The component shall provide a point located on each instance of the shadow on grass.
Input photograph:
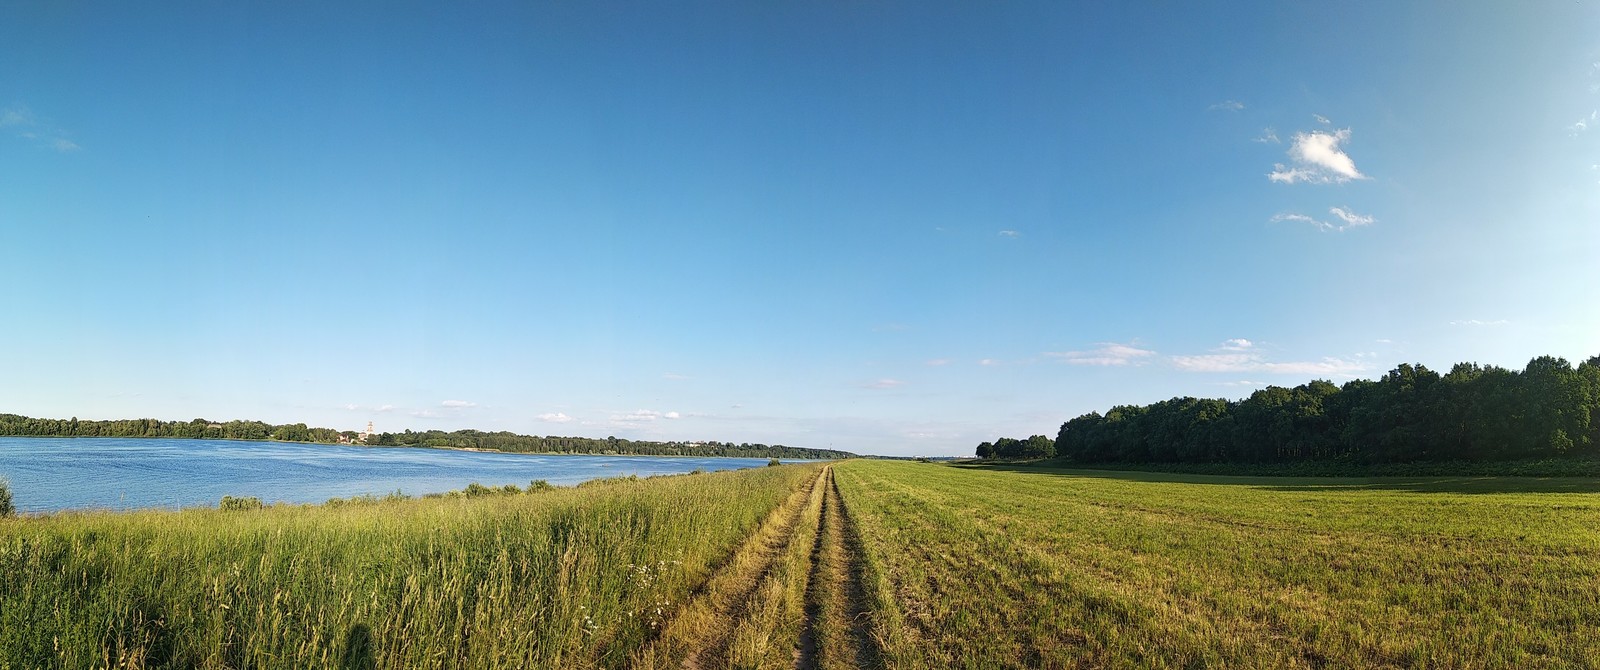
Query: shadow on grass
(358, 649)
(1412, 484)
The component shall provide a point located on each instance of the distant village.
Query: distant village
(359, 438)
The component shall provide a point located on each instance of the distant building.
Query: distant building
(363, 435)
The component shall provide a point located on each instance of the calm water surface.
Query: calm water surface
(52, 473)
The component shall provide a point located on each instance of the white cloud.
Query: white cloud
(1268, 136)
(938, 362)
(386, 408)
(988, 362)
(1318, 159)
(1105, 354)
(1479, 322)
(15, 116)
(1227, 106)
(637, 416)
(1583, 123)
(1237, 344)
(1253, 362)
(1350, 218)
(554, 417)
(32, 128)
(1321, 119)
(671, 415)
(675, 377)
(884, 384)
(1010, 233)
(457, 404)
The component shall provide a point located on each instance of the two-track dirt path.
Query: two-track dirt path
(789, 598)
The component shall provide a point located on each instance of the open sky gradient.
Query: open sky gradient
(897, 228)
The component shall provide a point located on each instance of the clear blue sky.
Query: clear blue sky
(897, 228)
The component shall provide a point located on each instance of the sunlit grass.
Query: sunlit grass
(566, 578)
(991, 568)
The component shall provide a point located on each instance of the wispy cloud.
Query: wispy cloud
(1268, 136)
(1226, 106)
(938, 362)
(28, 126)
(1583, 124)
(1240, 355)
(675, 377)
(1350, 220)
(1479, 322)
(1104, 354)
(1321, 119)
(554, 417)
(1317, 158)
(643, 416)
(1010, 233)
(988, 362)
(457, 404)
(884, 384)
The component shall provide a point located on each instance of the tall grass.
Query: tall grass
(569, 578)
(987, 568)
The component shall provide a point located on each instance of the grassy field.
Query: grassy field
(580, 577)
(985, 567)
(856, 564)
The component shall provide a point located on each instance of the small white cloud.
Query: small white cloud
(457, 404)
(938, 362)
(1252, 362)
(1321, 119)
(988, 362)
(15, 116)
(884, 384)
(675, 377)
(1479, 322)
(1010, 233)
(1384, 341)
(636, 416)
(1582, 124)
(1350, 218)
(1226, 106)
(385, 408)
(351, 407)
(65, 145)
(1268, 136)
(1317, 158)
(1237, 344)
(1104, 354)
(1243, 382)
(554, 417)
(671, 415)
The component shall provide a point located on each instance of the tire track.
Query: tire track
(702, 633)
(838, 629)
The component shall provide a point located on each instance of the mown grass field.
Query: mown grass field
(856, 564)
(985, 567)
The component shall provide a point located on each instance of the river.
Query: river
(50, 474)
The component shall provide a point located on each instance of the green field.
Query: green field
(859, 564)
(1034, 567)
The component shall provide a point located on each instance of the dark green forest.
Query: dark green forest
(1550, 409)
(16, 425)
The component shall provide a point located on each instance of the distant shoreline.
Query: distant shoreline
(480, 450)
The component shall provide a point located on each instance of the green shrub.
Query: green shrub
(232, 504)
(6, 508)
(773, 462)
(538, 485)
(476, 490)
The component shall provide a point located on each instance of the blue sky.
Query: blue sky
(897, 228)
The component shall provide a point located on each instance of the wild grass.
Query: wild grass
(983, 568)
(567, 578)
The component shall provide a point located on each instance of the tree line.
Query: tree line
(17, 425)
(1549, 409)
(515, 443)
